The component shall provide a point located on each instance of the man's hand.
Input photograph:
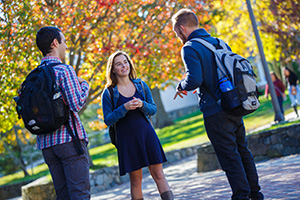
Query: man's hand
(180, 93)
(81, 80)
(284, 96)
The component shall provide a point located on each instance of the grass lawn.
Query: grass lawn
(186, 131)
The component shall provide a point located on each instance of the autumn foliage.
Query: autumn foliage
(94, 30)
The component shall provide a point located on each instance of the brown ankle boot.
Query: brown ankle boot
(168, 195)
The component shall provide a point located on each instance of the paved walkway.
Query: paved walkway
(279, 179)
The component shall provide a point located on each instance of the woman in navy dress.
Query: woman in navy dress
(137, 143)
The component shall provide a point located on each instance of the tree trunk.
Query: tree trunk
(17, 160)
(23, 166)
(161, 119)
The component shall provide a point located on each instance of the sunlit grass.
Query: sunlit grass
(185, 132)
(34, 173)
(105, 155)
(264, 114)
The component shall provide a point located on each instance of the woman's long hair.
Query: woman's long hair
(111, 77)
(273, 73)
(290, 71)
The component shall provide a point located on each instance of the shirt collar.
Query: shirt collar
(50, 59)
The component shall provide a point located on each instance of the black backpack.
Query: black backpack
(40, 102)
(41, 106)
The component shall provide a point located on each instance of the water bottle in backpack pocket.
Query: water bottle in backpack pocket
(230, 97)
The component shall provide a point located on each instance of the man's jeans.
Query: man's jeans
(69, 171)
(227, 135)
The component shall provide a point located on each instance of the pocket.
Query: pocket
(59, 108)
(230, 99)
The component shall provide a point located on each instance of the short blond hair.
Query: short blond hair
(185, 17)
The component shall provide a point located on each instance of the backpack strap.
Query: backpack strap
(111, 94)
(211, 94)
(47, 68)
(75, 138)
(222, 44)
(213, 49)
(205, 43)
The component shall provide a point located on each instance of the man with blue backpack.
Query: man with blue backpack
(227, 91)
(49, 101)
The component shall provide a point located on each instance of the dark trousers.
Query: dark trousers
(227, 135)
(280, 101)
(69, 171)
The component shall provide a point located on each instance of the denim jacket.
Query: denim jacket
(112, 116)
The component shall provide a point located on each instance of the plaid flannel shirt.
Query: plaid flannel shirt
(76, 94)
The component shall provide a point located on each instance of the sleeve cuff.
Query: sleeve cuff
(179, 88)
(123, 110)
(84, 86)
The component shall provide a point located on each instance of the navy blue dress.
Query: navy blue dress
(138, 144)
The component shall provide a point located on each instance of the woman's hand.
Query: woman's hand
(133, 104)
(294, 90)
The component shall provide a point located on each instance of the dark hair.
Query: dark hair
(290, 71)
(45, 37)
(273, 73)
(185, 17)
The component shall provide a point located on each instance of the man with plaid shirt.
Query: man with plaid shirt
(69, 170)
